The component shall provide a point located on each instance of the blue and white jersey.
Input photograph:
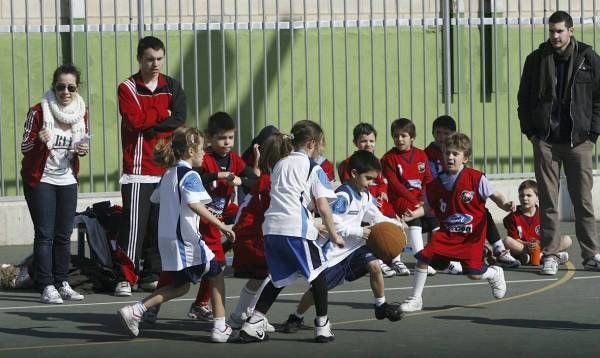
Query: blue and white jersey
(295, 184)
(350, 209)
(179, 240)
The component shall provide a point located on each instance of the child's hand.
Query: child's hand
(337, 239)
(366, 233)
(255, 149)
(228, 233)
(82, 149)
(234, 180)
(509, 206)
(223, 175)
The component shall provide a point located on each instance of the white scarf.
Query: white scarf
(72, 114)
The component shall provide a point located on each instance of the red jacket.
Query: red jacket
(35, 151)
(145, 119)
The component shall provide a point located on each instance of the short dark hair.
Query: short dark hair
(219, 122)
(363, 161)
(65, 69)
(561, 16)
(445, 121)
(363, 129)
(403, 125)
(529, 184)
(149, 42)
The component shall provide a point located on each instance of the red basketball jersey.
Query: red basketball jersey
(523, 227)
(406, 171)
(252, 211)
(435, 155)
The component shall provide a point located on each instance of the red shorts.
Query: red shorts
(249, 256)
(212, 238)
(445, 247)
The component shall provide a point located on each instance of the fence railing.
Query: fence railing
(276, 62)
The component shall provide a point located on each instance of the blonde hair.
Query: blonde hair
(274, 148)
(168, 152)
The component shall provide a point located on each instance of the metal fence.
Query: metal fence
(338, 62)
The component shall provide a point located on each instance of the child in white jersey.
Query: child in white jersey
(183, 253)
(289, 233)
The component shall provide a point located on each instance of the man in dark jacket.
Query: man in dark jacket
(559, 111)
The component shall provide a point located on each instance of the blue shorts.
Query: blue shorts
(289, 257)
(353, 267)
(195, 273)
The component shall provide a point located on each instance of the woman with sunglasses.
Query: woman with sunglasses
(56, 135)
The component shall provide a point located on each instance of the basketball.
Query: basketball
(386, 241)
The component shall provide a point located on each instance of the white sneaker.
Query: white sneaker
(400, 268)
(217, 336)
(237, 323)
(130, 321)
(323, 334)
(412, 304)
(67, 293)
(253, 332)
(454, 268)
(431, 271)
(505, 259)
(123, 289)
(593, 263)
(201, 313)
(51, 296)
(151, 315)
(386, 270)
(498, 283)
(563, 257)
(550, 265)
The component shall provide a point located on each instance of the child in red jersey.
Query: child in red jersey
(523, 226)
(406, 169)
(457, 197)
(327, 167)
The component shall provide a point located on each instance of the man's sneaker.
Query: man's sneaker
(593, 263)
(293, 324)
(400, 268)
(563, 257)
(123, 289)
(389, 311)
(225, 336)
(50, 295)
(550, 265)
(454, 268)
(151, 314)
(323, 334)
(67, 293)
(149, 286)
(130, 321)
(201, 313)
(253, 332)
(412, 304)
(497, 282)
(505, 259)
(431, 271)
(386, 270)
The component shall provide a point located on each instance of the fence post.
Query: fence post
(140, 18)
(447, 58)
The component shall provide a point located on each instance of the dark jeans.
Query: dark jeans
(52, 209)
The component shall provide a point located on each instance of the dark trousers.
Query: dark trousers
(52, 209)
(138, 236)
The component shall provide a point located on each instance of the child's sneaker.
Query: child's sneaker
(201, 313)
(412, 304)
(253, 332)
(130, 321)
(505, 259)
(454, 268)
(524, 259)
(235, 322)
(497, 283)
(400, 268)
(225, 336)
(386, 270)
(323, 334)
(123, 289)
(389, 311)
(67, 293)
(593, 263)
(51, 296)
(151, 314)
(563, 257)
(293, 324)
(549, 265)
(431, 271)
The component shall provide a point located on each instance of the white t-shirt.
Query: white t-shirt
(59, 165)
(293, 190)
(350, 209)
(179, 241)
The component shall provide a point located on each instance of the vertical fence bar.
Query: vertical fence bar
(371, 22)
(42, 44)
(181, 54)
(278, 64)
(57, 32)
(437, 59)
(471, 79)
(508, 89)
(166, 37)
(237, 75)
(209, 58)
(447, 60)
(265, 65)
(117, 114)
(319, 61)
(385, 63)
(306, 78)
(346, 71)
(594, 24)
(140, 9)
(196, 71)
(251, 72)
(224, 58)
(496, 87)
(483, 80)
(425, 78)
(412, 66)
(14, 95)
(581, 14)
(292, 31)
(459, 77)
(103, 102)
(28, 48)
(532, 25)
(399, 66)
(360, 114)
(333, 94)
(89, 87)
(151, 17)
(2, 188)
(521, 69)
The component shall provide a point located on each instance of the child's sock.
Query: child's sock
(498, 247)
(298, 314)
(397, 259)
(256, 316)
(246, 296)
(321, 320)
(415, 236)
(379, 301)
(220, 323)
(252, 303)
(420, 278)
(488, 274)
(139, 309)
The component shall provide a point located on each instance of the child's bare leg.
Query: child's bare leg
(515, 246)
(218, 295)
(376, 279)
(164, 294)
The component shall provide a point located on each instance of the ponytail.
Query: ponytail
(168, 152)
(275, 148)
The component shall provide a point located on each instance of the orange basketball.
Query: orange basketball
(386, 241)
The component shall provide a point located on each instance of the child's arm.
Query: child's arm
(203, 212)
(327, 219)
(500, 200)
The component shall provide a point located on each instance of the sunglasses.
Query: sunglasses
(61, 87)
